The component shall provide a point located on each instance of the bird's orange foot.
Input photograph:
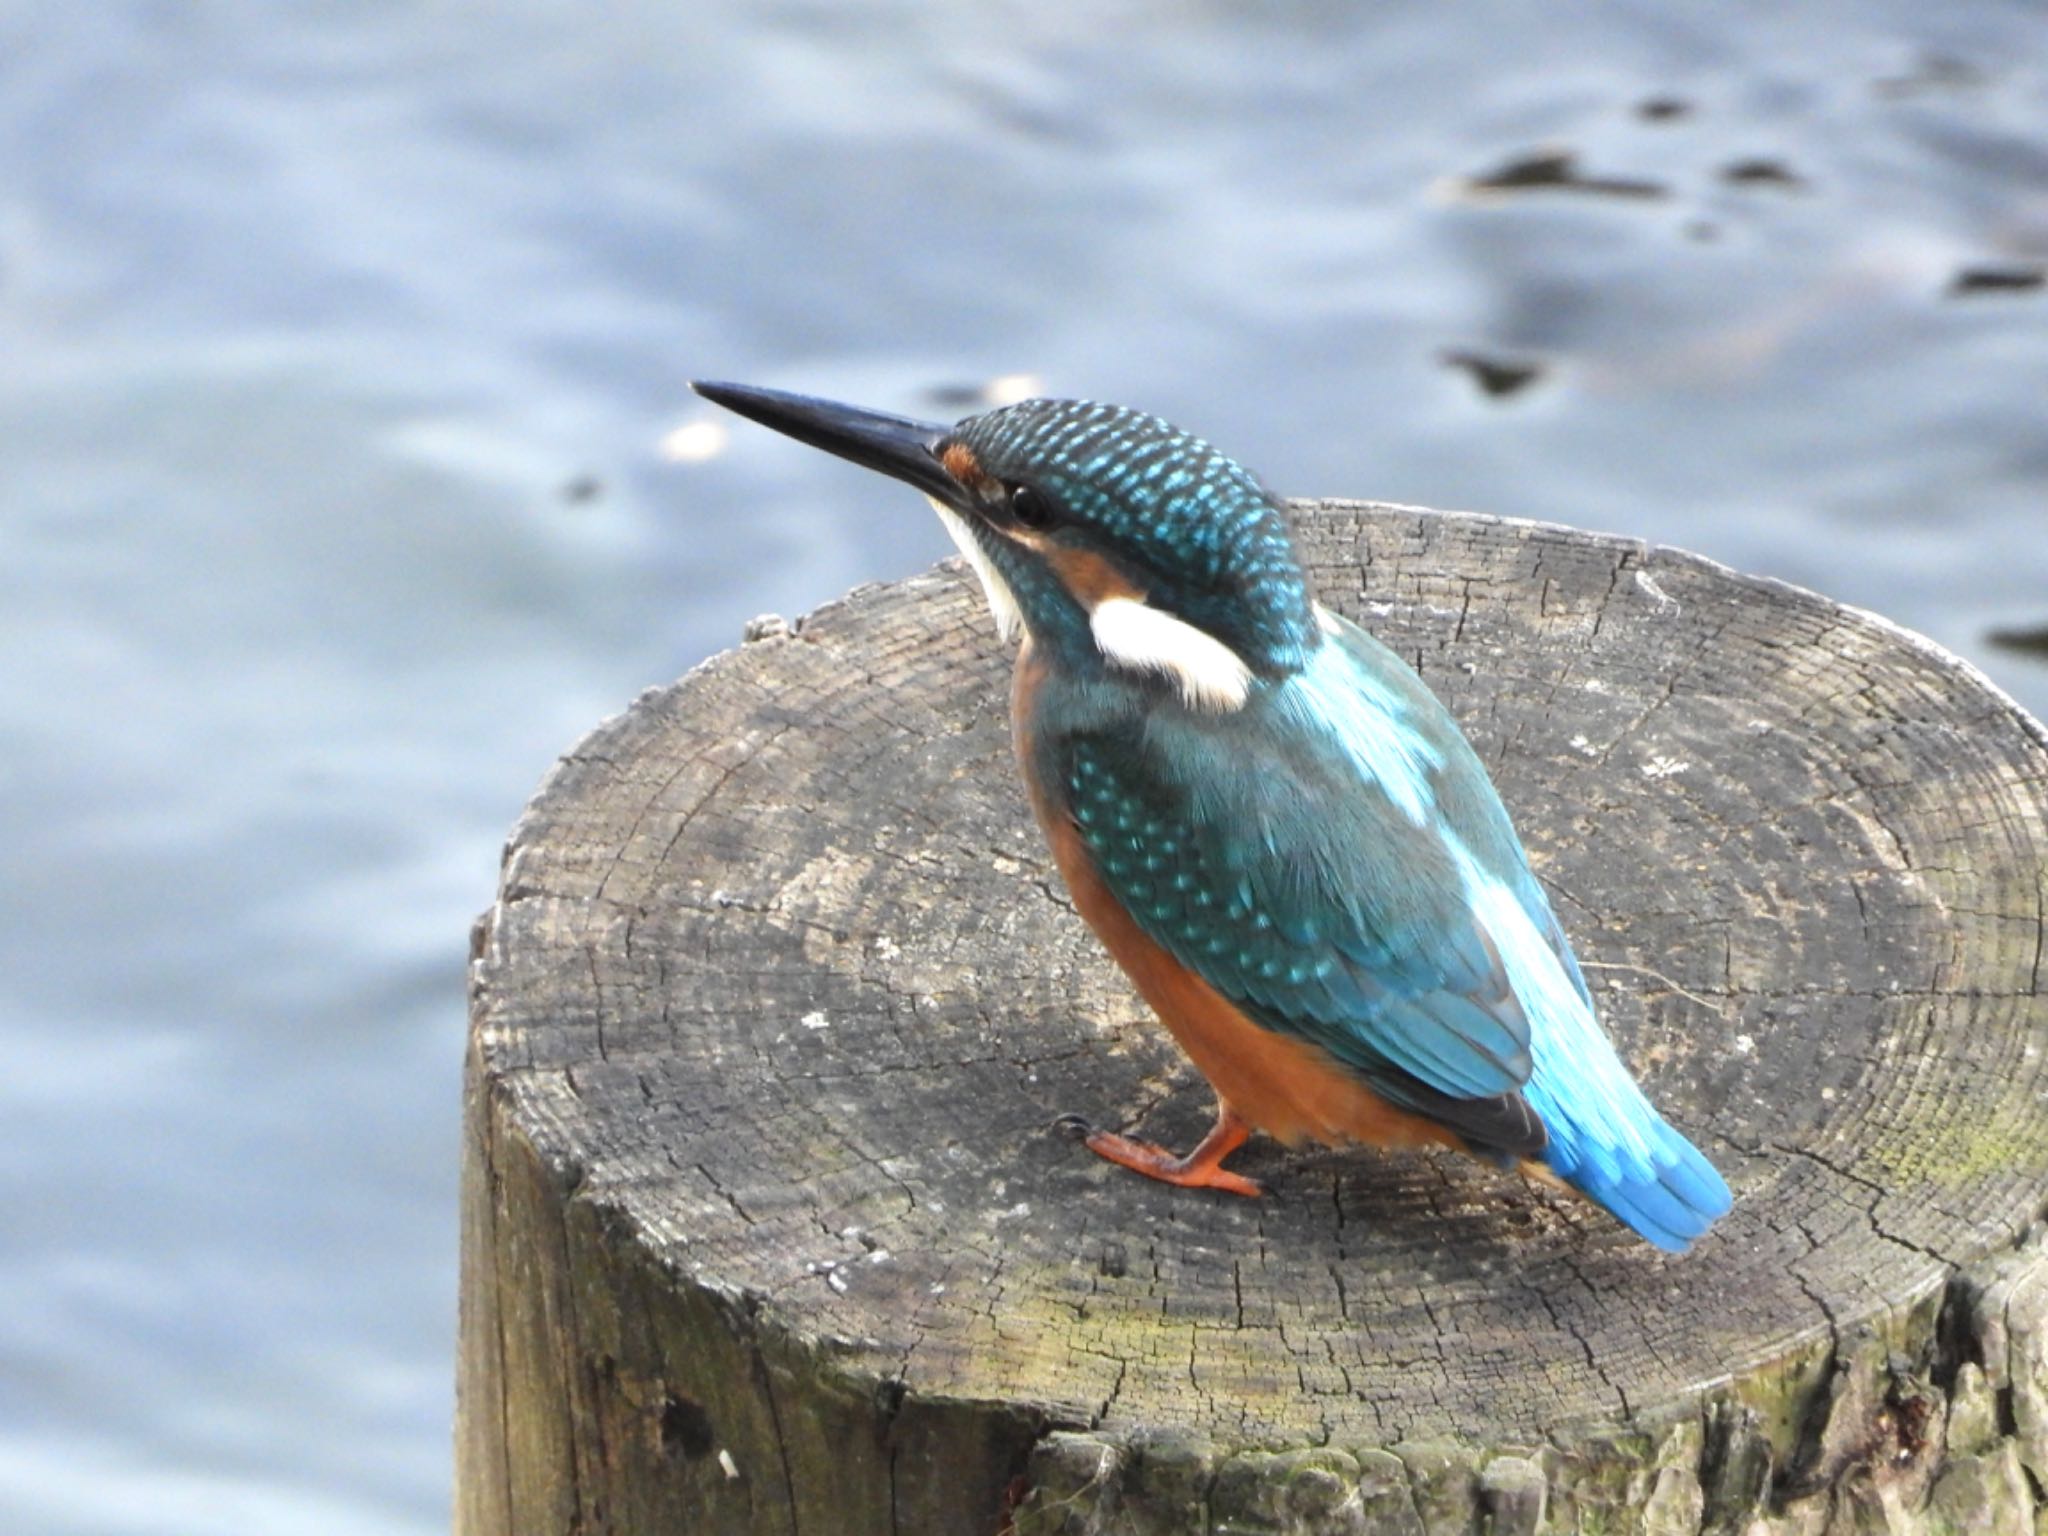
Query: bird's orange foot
(1200, 1169)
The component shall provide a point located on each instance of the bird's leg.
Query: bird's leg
(1200, 1169)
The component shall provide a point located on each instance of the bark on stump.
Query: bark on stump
(766, 1229)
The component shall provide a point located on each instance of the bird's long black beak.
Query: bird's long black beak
(895, 445)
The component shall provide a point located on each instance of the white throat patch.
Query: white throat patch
(1141, 638)
(1002, 602)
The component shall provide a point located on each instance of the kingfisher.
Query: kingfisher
(1273, 826)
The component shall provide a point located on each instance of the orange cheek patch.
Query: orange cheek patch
(959, 461)
(1090, 577)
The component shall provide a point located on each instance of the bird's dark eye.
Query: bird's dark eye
(1031, 508)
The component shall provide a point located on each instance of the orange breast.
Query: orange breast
(1286, 1087)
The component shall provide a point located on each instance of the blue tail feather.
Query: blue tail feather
(1669, 1200)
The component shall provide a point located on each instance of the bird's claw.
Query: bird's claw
(1200, 1169)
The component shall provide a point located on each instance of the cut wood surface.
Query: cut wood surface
(767, 1226)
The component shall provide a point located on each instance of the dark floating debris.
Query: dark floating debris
(1706, 231)
(1663, 109)
(1557, 170)
(1496, 376)
(1932, 72)
(581, 489)
(1762, 171)
(956, 397)
(2033, 640)
(1003, 389)
(1994, 277)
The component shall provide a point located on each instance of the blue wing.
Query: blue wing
(1260, 854)
(1382, 966)
(1334, 859)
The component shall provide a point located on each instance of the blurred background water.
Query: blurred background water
(347, 474)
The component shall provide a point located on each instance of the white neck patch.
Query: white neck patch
(1002, 602)
(1141, 638)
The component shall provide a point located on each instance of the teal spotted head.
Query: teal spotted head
(1110, 536)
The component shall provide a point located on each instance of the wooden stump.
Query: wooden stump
(767, 1229)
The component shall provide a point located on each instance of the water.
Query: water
(336, 347)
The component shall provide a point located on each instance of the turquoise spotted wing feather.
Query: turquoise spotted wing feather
(1355, 882)
(1341, 922)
